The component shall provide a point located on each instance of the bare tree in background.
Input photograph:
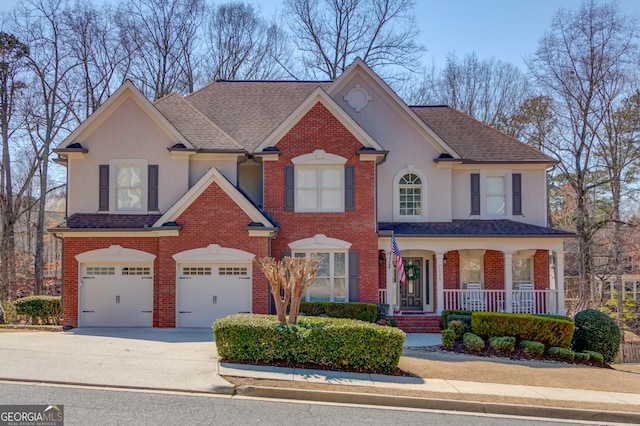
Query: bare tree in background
(485, 89)
(332, 33)
(49, 102)
(161, 38)
(12, 59)
(242, 45)
(91, 37)
(577, 65)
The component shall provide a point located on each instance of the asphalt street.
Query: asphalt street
(94, 406)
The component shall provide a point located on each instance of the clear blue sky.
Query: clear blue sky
(506, 29)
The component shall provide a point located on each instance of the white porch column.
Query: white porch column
(440, 282)
(560, 282)
(508, 281)
(390, 283)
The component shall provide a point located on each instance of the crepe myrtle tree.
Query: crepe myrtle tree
(289, 278)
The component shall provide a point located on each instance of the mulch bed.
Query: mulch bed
(309, 366)
(517, 354)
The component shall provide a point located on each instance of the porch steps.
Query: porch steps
(419, 324)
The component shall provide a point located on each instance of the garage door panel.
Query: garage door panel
(116, 296)
(209, 292)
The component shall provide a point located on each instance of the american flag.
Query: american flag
(402, 278)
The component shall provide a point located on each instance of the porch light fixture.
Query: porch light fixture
(444, 259)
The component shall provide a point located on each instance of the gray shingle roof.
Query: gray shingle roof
(109, 221)
(474, 140)
(471, 228)
(250, 110)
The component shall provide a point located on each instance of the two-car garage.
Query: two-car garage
(116, 286)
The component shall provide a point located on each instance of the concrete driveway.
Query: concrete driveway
(175, 359)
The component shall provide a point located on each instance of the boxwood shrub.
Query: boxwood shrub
(355, 310)
(562, 353)
(532, 348)
(334, 342)
(503, 344)
(458, 327)
(473, 342)
(447, 312)
(596, 331)
(448, 338)
(595, 356)
(44, 308)
(551, 331)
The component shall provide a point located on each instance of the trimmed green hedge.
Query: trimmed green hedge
(448, 338)
(45, 308)
(596, 331)
(367, 312)
(562, 353)
(532, 348)
(458, 312)
(473, 342)
(551, 331)
(503, 344)
(335, 342)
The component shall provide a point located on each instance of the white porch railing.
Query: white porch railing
(382, 295)
(523, 301)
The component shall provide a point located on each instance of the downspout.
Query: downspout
(57, 237)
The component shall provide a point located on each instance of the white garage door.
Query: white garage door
(207, 292)
(116, 295)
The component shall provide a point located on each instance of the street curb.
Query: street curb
(439, 404)
(217, 389)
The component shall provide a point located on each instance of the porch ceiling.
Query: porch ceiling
(470, 228)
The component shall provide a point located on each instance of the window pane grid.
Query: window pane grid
(410, 193)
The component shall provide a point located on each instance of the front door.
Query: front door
(412, 293)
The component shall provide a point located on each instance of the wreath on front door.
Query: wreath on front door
(412, 272)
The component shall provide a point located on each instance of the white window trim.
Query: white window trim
(396, 196)
(484, 174)
(318, 167)
(472, 254)
(320, 243)
(114, 164)
(308, 252)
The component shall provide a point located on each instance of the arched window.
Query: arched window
(410, 187)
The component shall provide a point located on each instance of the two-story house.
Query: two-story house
(170, 202)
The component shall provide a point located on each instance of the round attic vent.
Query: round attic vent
(357, 98)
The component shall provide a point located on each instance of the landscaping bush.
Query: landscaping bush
(466, 319)
(448, 338)
(532, 348)
(581, 356)
(595, 356)
(473, 342)
(562, 353)
(447, 312)
(334, 342)
(551, 331)
(355, 310)
(596, 331)
(458, 327)
(382, 317)
(503, 344)
(44, 308)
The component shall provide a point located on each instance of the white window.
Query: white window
(522, 270)
(319, 182)
(330, 284)
(496, 195)
(471, 267)
(128, 185)
(319, 188)
(410, 193)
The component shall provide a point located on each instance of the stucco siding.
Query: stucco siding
(127, 133)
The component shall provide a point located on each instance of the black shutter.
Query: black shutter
(152, 184)
(475, 193)
(516, 179)
(354, 274)
(289, 188)
(349, 188)
(103, 188)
